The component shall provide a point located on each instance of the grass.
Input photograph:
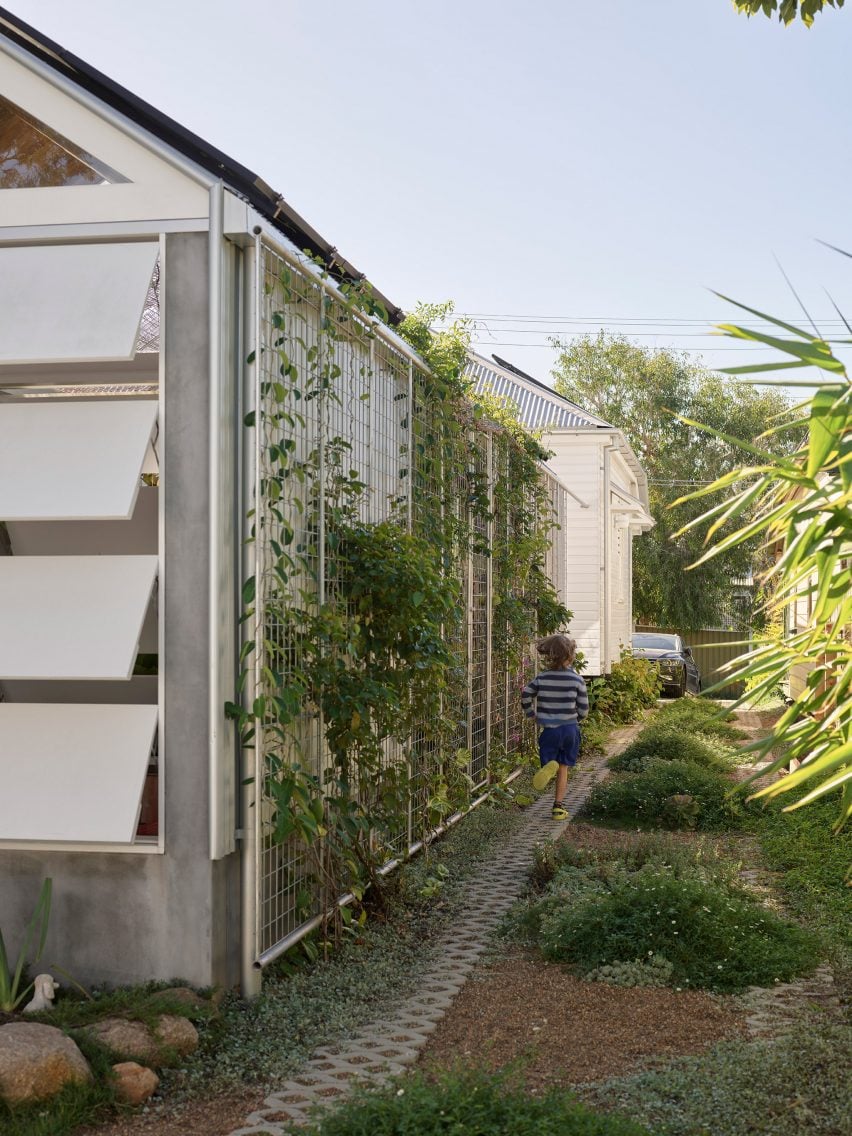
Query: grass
(811, 862)
(672, 743)
(73, 1106)
(475, 1104)
(796, 1084)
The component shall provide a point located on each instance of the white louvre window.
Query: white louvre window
(33, 156)
(73, 303)
(67, 461)
(73, 773)
(72, 617)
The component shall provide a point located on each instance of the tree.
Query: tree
(801, 504)
(648, 394)
(787, 10)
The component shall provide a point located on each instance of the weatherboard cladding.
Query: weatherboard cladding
(537, 409)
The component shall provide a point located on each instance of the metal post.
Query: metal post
(252, 565)
(489, 590)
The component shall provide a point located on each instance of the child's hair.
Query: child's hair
(557, 650)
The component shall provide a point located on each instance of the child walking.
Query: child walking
(561, 703)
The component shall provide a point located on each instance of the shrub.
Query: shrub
(713, 937)
(644, 798)
(669, 743)
(632, 686)
(465, 1102)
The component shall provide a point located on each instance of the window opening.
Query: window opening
(34, 156)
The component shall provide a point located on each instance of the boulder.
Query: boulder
(134, 1083)
(126, 1038)
(37, 1061)
(178, 1034)
(133, 1040)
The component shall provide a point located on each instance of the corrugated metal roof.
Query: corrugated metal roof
(538, 405)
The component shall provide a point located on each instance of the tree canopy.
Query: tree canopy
(788, 10)
(647, 393)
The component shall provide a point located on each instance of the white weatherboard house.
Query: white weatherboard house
(607, 506)
(141, 281)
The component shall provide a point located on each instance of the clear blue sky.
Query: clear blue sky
(604, 160)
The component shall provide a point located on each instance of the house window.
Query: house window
(34, 156)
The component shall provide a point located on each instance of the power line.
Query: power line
(530, 317)
(688, 350)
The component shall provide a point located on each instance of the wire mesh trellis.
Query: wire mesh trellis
(350, 411)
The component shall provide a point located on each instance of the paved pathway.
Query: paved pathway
(386, 1047)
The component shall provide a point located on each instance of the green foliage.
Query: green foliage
(632, 686)
(643, 391)
(713, 937)
(701, 715)
(800, 504)
(464, 1102)
(652, 971)
(788, 10)
(811, 865)
(320, 1001)
(646, 797)
(362, 675)
(797, 1084)
(670, 743)
(13, 990)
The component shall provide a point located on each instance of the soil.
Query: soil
(521, 1011)
(561, 1030)
(190, 1118)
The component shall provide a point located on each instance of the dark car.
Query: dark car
(672, 658)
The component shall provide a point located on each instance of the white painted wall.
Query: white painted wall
(577, 463)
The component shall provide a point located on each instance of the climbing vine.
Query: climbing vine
(375, 499)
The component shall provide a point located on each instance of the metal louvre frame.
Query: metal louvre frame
(367, 422)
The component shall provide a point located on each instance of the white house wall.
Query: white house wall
(576, 462)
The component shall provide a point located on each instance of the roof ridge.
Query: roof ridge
(557, 400)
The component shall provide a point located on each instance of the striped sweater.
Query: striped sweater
(560, 697)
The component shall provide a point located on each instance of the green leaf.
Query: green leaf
(826, 425)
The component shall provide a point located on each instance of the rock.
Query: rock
(134, 1083)
(37, 1061)
(126, 1038)
(178, 1034)
(134, 1040)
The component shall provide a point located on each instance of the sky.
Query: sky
(553, 167)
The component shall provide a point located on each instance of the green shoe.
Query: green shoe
(545, 775)
(559, 812)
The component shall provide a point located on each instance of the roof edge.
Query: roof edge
(237, 177)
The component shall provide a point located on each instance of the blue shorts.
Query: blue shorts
(560, 744)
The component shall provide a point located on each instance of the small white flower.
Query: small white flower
(400, 1092)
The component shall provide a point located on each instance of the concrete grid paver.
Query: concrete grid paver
(385, 1048)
